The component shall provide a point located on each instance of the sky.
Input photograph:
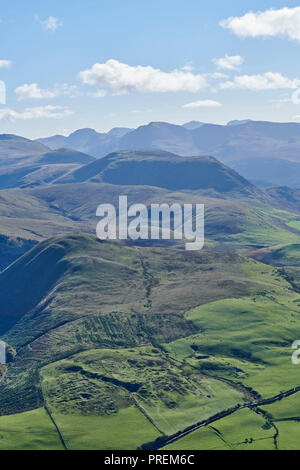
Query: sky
(101, 64)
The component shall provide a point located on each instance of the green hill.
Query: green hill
(158, 339)
(286, 255)
(162, 169)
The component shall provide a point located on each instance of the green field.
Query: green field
(244, 430)
(126, 430)
(108, 381)
(247, 341)
(128, 345)
(32, 430)
(285, 409)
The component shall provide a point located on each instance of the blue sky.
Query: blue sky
(100, 64)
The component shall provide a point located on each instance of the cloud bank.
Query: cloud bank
(118, 77)
(33, 91)
(203, 104)
(259, 82)
(54, 112)
(284, 22)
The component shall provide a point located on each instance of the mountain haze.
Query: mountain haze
(236, 141)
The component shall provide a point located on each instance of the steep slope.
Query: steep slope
(287, 197)
(114, 276)
(106, 336)
(284, 255)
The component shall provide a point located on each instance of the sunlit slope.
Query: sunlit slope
(285, 255)
(247, 341)
(164, 170)
(75, 293)
(106, 332)
(232, 221)
(70, 276)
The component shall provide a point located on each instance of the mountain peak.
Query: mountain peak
(236, 122)
(192, 125)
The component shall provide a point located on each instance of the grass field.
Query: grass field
(105, 382)
(243, 430)
(126, 430)
(284, 409)
(245, 340)
(289, 433)
(32, 430)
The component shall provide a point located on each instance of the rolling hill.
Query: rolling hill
(144, 345)
(111, 334)
(14, 149)
(162, 169)
(38, 168)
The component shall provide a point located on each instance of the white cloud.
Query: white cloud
(283, 22)
(295, 98)
(217, 75)
(33, 91)
(229, 62)
(51, 23)
(118, 77)
(5, 64)
(203, 104)
(54, 112)
(187, 68)
(266, 81)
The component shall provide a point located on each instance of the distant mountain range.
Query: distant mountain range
(238, 140)
(265, 153)
(128, 167)
(269, 171)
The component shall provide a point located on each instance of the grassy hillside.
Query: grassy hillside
(115, 345)
(118, 278)
(158, 339)
(162, 169)
(286, 255)
(231, 222)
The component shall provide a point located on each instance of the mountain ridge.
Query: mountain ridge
(234, 141)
